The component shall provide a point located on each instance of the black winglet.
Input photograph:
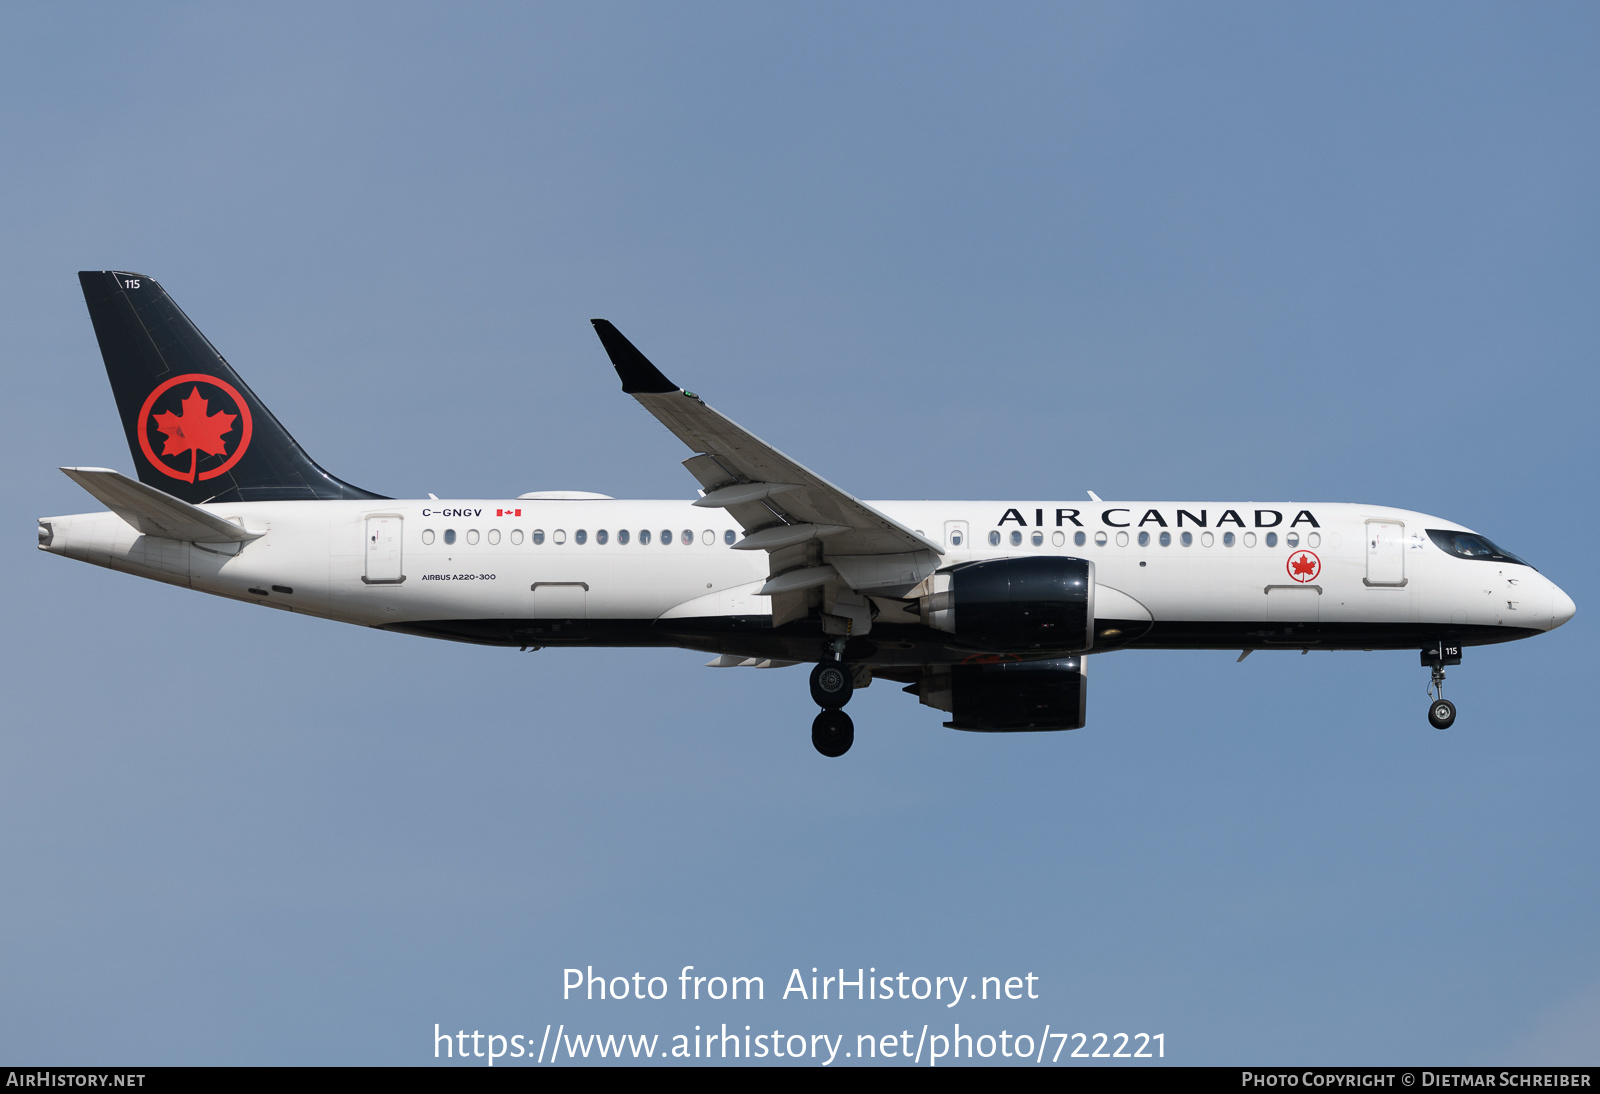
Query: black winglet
(639, 376)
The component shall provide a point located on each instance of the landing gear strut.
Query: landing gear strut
(832, 684)
(1441, 711)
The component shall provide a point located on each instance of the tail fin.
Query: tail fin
(196, 430)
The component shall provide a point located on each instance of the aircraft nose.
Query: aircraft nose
(1561, 607)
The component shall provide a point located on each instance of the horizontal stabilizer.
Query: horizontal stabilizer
(153, 512)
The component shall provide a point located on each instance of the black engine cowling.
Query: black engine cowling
(1010, 696)
(1015, 605)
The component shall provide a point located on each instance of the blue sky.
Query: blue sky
(1319, 252)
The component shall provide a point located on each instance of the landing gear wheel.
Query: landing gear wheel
(1441, 712)
(832, 684)
(832, 733)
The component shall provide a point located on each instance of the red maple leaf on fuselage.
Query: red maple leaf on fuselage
(195, 430)
(1303, 565)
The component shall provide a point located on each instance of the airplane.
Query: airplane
(985, 610)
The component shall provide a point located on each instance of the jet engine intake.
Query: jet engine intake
(1014, 605)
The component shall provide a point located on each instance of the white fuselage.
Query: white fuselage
(388, 564)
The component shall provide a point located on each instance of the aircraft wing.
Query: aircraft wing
(815, 533)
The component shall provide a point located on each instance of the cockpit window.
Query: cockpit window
(1471, 545)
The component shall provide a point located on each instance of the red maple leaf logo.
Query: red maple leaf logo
(195, 430)
(1303, 566)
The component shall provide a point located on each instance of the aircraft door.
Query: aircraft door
(560, 599)
(1293, 603)
(1386, 553)
(955, 536)
(383, 551)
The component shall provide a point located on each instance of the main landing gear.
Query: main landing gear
(832, 733)
(1441, 711)
(832, 684)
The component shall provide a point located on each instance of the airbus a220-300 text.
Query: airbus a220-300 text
(987, 610)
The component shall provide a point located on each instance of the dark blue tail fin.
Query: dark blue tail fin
(197, 431)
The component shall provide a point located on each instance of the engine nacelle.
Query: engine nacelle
(1010, 696)
(1014, 605)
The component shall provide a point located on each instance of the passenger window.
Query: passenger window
(472, 535)
(1187, 539)
(1313, 540)
(622, 537)
(728, 537)
(538, 536)
(1038, 539)
(427, 535)
(1272, 539)
(1058, 539)
(1144, 539)
(666, 537)
(494, 535)
(955, 539)
(1292, 539)
(516, 535)
(1078, 538)
(449, 535)
(644, 537)
(1249, 539)
(1166, 539)
(708, 537)
(1122, 539)
(1016, 539)
(600, 537)
(1099, 539)
(1227, 539)
(1207, 539)
(687, 537)
(559, 536)
(580, 537)
(994, 539)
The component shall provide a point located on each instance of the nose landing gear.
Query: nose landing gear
(832, 684)
(1441, 711)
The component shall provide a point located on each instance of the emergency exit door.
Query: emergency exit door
(383, 551)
